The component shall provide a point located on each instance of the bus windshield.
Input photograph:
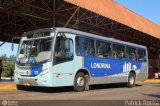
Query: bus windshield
(35, 50)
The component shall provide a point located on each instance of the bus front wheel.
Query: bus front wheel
(131, 80)
(80, 82)
(20, 87)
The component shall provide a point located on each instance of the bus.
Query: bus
(56, 57)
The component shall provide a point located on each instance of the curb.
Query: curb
(149, 81)
(12, 85)
(7, 86)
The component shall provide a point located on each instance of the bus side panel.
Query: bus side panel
(109, 70)
(143, 74)
(118, 78)
(67, 71)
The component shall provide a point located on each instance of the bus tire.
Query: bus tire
(131, 80)
(79, 82)
(20, 87)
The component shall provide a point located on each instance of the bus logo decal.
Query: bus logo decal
(128, 67)
(100, 65)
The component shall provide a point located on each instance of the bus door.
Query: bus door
(64, 55)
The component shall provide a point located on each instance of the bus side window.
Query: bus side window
(114, 54)
(63, 49)
(60, 47)
(69, 48)
(78, 46)
(142, 55)
(134, 55)
(118, 52)
(103, 49)
(99, 46)
(85, 46)
(131, 53)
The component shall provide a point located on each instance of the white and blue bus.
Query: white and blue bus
(54, 57)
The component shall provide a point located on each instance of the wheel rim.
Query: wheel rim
(80, 81)
(131, 80)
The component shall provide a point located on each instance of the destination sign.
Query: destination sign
(39, 34)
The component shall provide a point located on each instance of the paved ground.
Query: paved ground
(142, 91)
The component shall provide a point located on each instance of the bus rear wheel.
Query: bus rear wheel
(131, 80)
(79, 82)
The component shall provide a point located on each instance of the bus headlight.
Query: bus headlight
(45, 71)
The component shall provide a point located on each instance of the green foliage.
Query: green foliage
(8, 69)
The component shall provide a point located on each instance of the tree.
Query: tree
(8, 69)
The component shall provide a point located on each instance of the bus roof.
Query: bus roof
(61, 29)
(69, 30)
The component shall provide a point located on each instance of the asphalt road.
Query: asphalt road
(99, 95)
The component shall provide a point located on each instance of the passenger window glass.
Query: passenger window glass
(103, 49)
(85, 46)
(118, 52)
(131, 53)
(63, 48)
(142, 55)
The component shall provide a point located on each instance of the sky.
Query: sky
(7, 49)
(149, 9)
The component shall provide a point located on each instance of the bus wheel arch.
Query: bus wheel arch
(133, 71)
(81, 80)
(131, 79)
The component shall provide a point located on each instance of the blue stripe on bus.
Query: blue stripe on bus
(36, 70)
(99, 67)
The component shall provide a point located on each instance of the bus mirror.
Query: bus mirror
(63, 35)
(67, 43)
(12, 47)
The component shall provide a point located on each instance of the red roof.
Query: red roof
(115, 11)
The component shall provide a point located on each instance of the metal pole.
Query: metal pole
(54, 14)
(71, 16)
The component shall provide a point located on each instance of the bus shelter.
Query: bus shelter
(105, 17)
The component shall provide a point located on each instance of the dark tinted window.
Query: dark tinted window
(64, 49)
(142, 55)
(131, 53)
(103, 49)
(85, 46)
(118, 51)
